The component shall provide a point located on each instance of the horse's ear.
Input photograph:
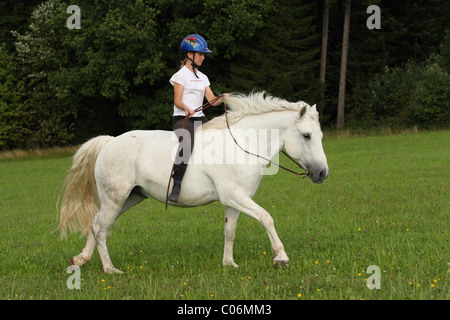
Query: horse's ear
(314, 108)
(302, 111)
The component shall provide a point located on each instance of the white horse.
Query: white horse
(118, 173)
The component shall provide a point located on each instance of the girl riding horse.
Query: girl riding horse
(190, 87)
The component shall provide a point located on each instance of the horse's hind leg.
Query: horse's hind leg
(86, 253)
(100, 227)
(103, 221)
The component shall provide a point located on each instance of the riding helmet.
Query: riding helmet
(194, 43)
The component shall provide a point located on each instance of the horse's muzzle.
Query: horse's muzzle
(319, 174)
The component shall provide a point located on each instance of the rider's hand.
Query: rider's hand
(189, 112)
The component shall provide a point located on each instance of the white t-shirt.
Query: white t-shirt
(194, 90)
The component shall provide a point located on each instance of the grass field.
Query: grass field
(385, 203)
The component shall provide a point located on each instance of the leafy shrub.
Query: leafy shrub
(11, 105)
(403, 97)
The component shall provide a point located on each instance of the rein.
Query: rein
(305, 174)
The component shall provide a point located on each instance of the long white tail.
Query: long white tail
(80, 200)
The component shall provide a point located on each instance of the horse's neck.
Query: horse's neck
(275, 124)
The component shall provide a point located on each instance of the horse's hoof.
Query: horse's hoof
(112, 270)
(230, 263)
(282, 264)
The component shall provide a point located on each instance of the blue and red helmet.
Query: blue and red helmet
(194, 43)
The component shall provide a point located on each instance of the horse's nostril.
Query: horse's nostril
(322, 174)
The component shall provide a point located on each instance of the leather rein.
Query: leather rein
(306, 173)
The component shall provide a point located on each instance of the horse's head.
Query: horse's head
(304, 143)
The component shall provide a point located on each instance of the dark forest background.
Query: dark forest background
(61, 86)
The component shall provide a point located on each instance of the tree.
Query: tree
(341, 101)
(282, 58)
(46, 117)
(14, 15)
(12, 113)
(112, 74)
(323, 57)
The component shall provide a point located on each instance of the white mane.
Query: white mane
(239, 106)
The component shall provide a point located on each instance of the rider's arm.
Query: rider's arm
(177, 94)
(210, 96)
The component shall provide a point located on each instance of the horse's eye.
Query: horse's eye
(307, 136)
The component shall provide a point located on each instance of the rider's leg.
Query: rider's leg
(182, 159)
(184, 154)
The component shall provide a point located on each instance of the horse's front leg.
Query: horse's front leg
(231, 218)
(250, 208)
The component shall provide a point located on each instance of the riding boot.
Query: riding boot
(173, 196)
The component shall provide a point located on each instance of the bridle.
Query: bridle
(305, 173)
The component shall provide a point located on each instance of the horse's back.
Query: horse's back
(131, 145)
(136, 154)
(145, 159)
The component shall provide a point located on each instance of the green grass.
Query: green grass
(385, 203)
